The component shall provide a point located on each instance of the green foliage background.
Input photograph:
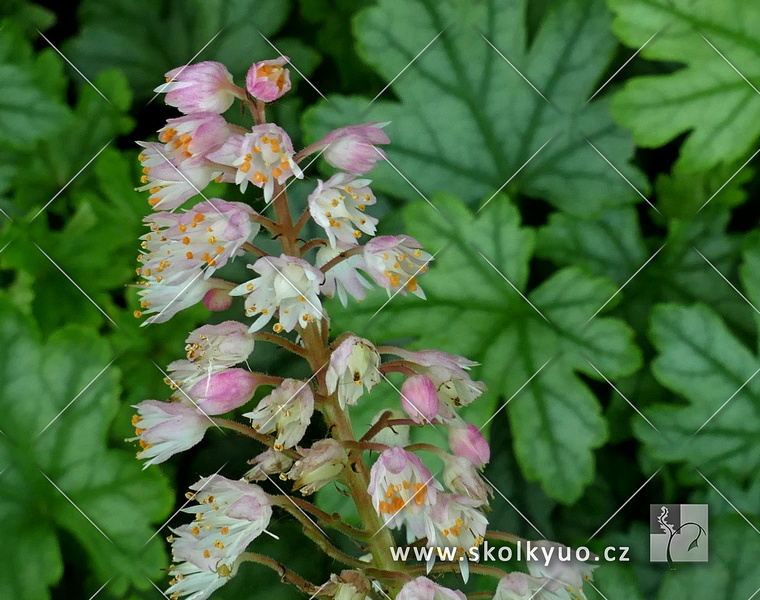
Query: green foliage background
(591, 247)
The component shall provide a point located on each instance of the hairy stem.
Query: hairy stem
(280, 341)
(286, 575)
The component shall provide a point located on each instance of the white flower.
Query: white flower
(424, 589)
(354, 366)
(288, 286)
(321, 464)
(337, 206)
(288, 410)
(263, 155)
(394, 263)
(519, 586)
(455, 521)
(267, 463)
(166, 428)
(344, 277)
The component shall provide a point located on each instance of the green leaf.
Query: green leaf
(707, 98)
(466, 122)
(614, 580)
(732, 571)
(146, 38)
(56, 404)
(701, 360)
(26, 113)
(556, 420)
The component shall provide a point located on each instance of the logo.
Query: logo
(677, 533)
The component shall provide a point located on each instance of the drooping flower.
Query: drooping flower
(263, 155)
(461, 477)
(454, 521)
(229, 515)
(424, 589)
(209, 235)
(354, 367)
(563, 568)
(163, 299)
(268, 463)
(449, 374)
(288, 286)
(402, 488)
(166, 428)
(344, 277)
(353, 148)
(203, 87)
(419, 398)
(194, 135)
(193, 574)
(173, 182)
(267, 80)
(394, 263)
(520, 586)
(321, 464)
(337, 205)
(223, 345)
(469, 443)
(287, 410)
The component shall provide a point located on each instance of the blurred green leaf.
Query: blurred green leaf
(473, 310)
(707, 98)
(701, 360)
(732, 572)
(56, 404)
(28, 111)
(466, 121)
(146, 38)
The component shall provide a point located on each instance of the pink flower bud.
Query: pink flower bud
(222, 392)
(202, 87)
(353, 148)
(193, 135)
(419, 398)
(469, 443)
(217, 299)
(268, 80)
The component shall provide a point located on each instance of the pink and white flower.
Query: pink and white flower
(344, 277)
(424, 589)
(203, 87)
(402, 490)
(321, 464)
(268, 463)
(267, 80)
(224, 391)
(468, 442)
(173, 182)
(287, 410)
(354, 367)
(337, 205)
(193, 135)
(261, 157)
(209, 235)
(353, 148)
(520, 586)
(563, 569)
(449, 374)
(288, 286)
(223, 345)
(162, 299)
(166, 428)
(462, 478)
(394, 263)
(419, 398)
(455, 522)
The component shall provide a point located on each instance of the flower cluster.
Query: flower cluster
(185, 260)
